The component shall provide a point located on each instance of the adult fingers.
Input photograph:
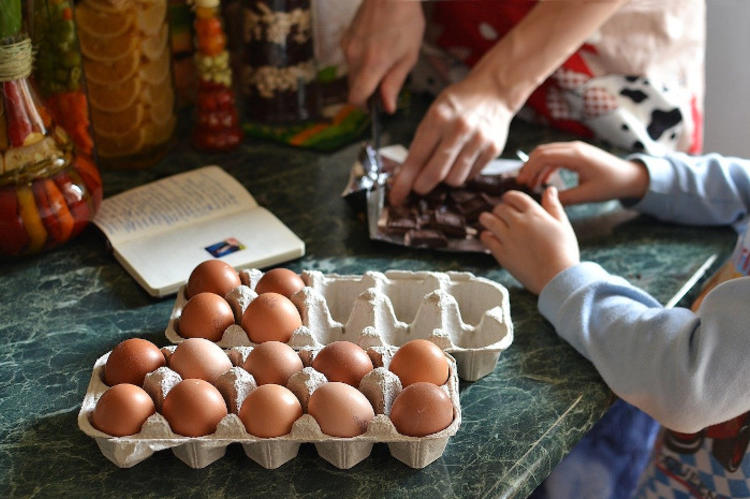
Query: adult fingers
(394, 79)
(441, 160)
(465, 161)
(490, 152)
(425, 141)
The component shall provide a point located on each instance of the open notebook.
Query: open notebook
(160, 231)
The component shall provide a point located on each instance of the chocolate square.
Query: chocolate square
(425, 237)
(451, 224)
(400, 226)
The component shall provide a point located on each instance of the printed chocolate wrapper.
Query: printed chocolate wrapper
(446, 219)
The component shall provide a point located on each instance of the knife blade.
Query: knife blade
(375, 110)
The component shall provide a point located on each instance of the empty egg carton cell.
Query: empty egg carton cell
(465, 315)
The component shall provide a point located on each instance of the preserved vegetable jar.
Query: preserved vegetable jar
(279, 75)
(126, 61)
(48, 193)
(217, 123)
(58, 73)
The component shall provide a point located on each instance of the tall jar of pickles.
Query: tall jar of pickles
(48, 191)
(126, 61)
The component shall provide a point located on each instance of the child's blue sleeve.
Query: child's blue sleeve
(697, 190)
(687, 370)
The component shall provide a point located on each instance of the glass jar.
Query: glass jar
(279, 75)
(48, 193)
(58, 73)
(217, 123)
(126, 61)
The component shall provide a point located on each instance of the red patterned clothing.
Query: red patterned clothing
(636, 83)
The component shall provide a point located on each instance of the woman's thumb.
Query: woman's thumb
(551, 203)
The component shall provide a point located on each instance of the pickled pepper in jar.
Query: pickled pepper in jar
(48, 193)
(58, 71)
(217, 122)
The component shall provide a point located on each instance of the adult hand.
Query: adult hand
(601, 176)
(463, 130)
(533, 242)
(381, 46)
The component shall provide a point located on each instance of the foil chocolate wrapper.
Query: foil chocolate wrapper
(446, 219)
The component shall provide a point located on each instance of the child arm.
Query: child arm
(696, 190)
(687, 370)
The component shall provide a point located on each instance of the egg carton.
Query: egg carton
(380, 386)
(465, 315)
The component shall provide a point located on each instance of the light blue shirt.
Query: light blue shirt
(687, 370)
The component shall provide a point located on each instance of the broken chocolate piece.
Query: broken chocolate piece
(451, 224)
(401, 225)
(460, 196)
(425, 237)
(473, 207)
(437, 195)
(493, 184)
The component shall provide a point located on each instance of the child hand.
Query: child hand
(601, 176)
(533, 242)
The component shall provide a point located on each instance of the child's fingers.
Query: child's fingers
(551, 203)
(493, 244)
(494, 224)
(520, 201)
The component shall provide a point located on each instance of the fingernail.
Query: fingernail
(552, 190)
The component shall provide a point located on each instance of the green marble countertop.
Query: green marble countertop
(60, 311)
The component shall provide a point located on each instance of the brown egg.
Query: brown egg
(272, 362)
(282, 281)
(131, 360)
(199, 358)
(421, 409)
(212, 276)
(270, 317)
(343, 361)
(122, 410)
(194, 407)
(205, 315)
(270, 411)
(340, 410)
(420, 360)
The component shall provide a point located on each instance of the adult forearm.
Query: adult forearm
(540, 43)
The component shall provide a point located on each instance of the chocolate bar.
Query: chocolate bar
(447, 216)
(425, 237)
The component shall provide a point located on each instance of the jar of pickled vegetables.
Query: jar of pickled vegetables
(217, 121)
(48, 193)
(126, 61)
(58, 73)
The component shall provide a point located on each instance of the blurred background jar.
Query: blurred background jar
(126, 61)
(279, 73)
(216, 126)
(48, 190)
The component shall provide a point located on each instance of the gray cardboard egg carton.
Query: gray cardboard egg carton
(465, 315)
(380, 386)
